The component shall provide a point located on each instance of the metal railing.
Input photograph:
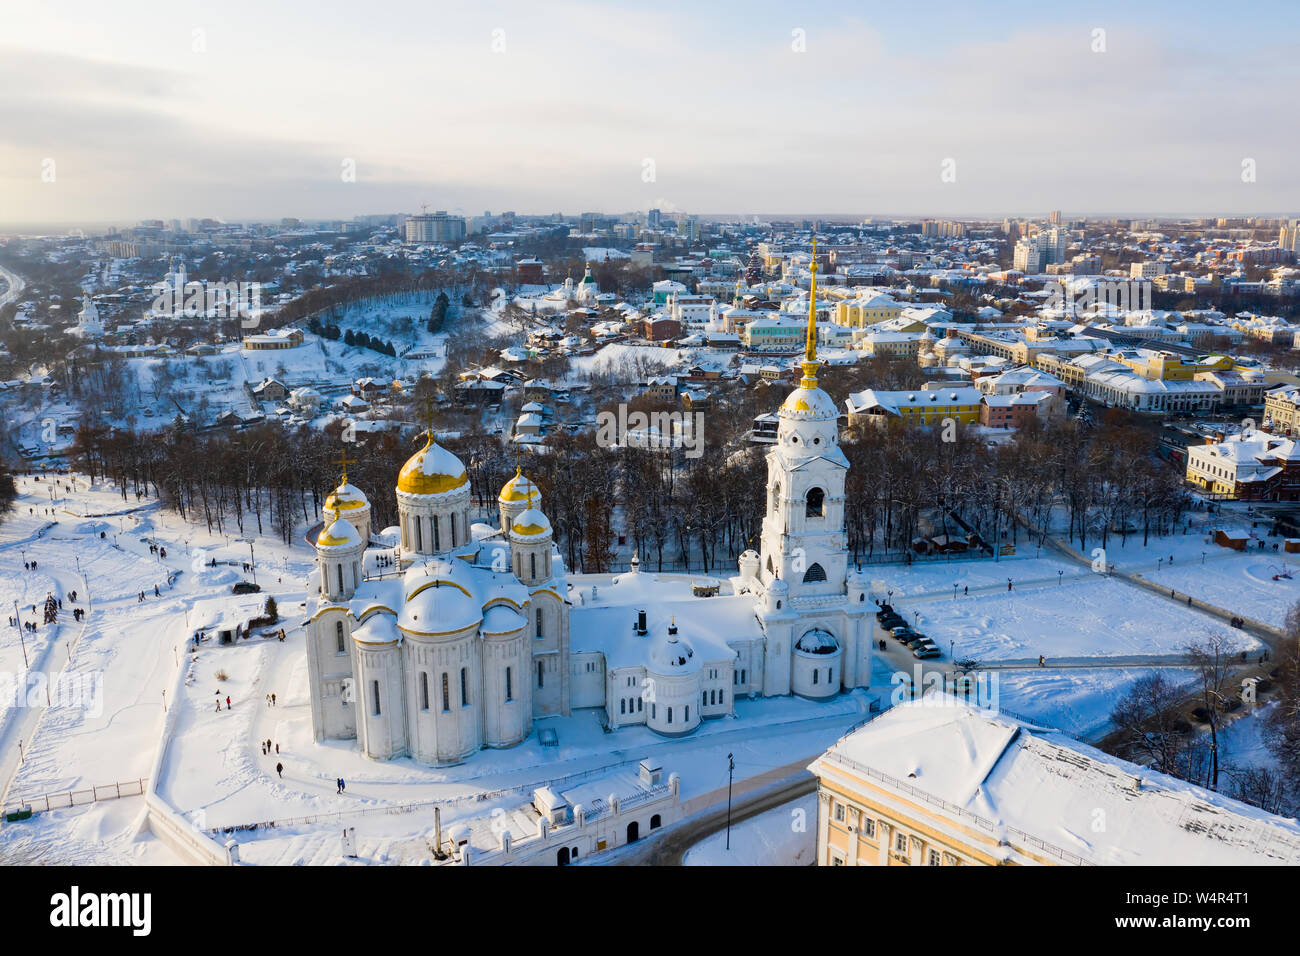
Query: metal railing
(40, 803)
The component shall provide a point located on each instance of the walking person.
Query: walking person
(338, 784)
(227, 703)
(272, 698)
(277, 750)
(343, 784)
(279, 770)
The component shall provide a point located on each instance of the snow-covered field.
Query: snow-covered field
(783, 836)
(1077, 700)
(1078, 617)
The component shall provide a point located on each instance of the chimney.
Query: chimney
(640, 622)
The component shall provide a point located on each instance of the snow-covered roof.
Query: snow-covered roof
(1023, 783)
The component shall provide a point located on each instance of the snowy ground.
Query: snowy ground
(783, 836)
(1075, 615)
(1075, 700)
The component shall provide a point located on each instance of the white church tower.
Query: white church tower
(803, 540)
(813, 611)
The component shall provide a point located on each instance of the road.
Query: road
(14, 286)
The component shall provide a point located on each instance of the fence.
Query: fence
(72, 798)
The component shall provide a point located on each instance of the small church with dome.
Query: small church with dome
(439, 637)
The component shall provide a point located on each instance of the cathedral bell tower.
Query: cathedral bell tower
(803, 540)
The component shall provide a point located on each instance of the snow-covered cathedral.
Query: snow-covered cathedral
(448, 637)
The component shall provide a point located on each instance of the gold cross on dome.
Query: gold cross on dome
(343, 463)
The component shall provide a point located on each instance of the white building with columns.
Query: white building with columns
(464, 635)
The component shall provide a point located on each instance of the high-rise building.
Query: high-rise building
(438, 227)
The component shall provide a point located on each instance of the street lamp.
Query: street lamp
(954, 590)
(1060, 577)
(19, 624)
(1202, 557)
(1158, 560)
(731, 766)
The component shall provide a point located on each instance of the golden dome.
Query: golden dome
(518, 488)
(345, 497)
(340, 532)
(431, 471)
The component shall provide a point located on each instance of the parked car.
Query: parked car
(925, 651)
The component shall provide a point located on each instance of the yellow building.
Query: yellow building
(937, 782)
(859, 313)
(919, 407)
(1160, 366)
(1282, 408)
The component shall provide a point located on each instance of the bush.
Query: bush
(222, 676)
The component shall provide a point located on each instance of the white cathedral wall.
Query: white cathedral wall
(444, 734)
(380, 701)
(333, 715)
(817, 676)
(624, 688)
(587, 680)
(506, 720)
(551, 695)
(673, 703)
(416, 515)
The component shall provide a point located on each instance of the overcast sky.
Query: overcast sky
(245, 110)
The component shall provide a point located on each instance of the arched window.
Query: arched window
(338, 634)
(509, 689)
(446, 694)
(814, 573)
(374, 693)
(451, 520)
(419, 534)
(670, 715)
(437, 533)
(622, 705)
(775, 499)
(424, 691)
(539, 622)
(815, 675)
(340, 567)
(816, 503)
(464, 687)
(532, 565)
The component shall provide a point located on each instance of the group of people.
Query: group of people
(29, 565)
(219, 701)
(270, 700)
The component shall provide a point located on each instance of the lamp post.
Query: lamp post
(954, 591)
(1060, 577)
(731, 766)
(1202, 557)
(1158, 561)
(19, 624)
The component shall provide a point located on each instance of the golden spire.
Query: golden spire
(343, 463)
(810, 362)
(428, 418)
